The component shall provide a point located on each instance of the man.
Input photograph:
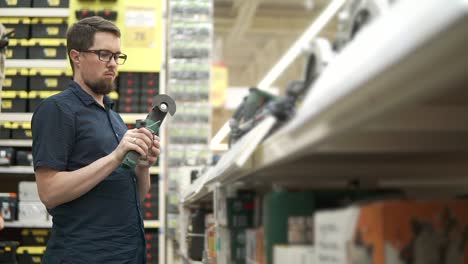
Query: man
(78, 146)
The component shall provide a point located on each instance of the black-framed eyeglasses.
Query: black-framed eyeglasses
(107, 56)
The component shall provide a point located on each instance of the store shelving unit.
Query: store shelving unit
(399, 123)
(389, 111)
(31, 63)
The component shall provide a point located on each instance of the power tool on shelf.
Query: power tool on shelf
(162, 104)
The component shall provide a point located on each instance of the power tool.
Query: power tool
(162, 104)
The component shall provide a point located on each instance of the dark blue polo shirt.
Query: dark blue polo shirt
(71, 130)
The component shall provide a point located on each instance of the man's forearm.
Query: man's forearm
(143, 180)
(58, 187)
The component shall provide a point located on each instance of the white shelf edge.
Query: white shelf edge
(15, 117)
(36, 63)
(15, 142)
(20, 224)
(24, 117)
(34, 12)
(17, 169)
(38, 224)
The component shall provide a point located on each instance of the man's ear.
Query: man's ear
(75, 56)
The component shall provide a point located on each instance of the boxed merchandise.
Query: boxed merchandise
(28, 191)
(53, 49)
(129, 80)
(36, 97)
(397, 231)
(32, 211)
(297, 254)
(7, 156)
(8, 206)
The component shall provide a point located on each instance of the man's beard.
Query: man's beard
(101, 87)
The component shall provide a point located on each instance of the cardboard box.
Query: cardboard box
(394, 232)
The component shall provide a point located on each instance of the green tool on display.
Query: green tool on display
(162, 104)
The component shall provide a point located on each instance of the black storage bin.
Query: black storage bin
(5, 131)
(30, 255)
(49, 79)
(36, 97)
(21, 130)
(21, 26)
(49, 3)
(17, 52)
(8, 252)
(48, 49)
(17, 3)
(35, 236)
(48, 28)
(129, 80)
(16, 80)
(14, 101)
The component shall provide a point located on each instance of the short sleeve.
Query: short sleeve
(53, 132)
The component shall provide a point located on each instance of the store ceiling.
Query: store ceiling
(252, 35)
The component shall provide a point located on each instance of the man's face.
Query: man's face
(99, 75)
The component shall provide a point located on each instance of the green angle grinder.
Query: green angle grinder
(162, 104)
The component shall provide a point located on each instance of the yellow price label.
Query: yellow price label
(50, 52)
(7, 104)
(139, 37)
(7, 82)
(9, 53)
(12, 2)
(54, 2)
(51, 82)
(52, 31)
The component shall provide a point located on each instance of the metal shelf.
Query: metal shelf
(25, 117)
(23, 224)
(34, 12)
(15, 142)
(32, 63)
(17, 170)
(385, 111)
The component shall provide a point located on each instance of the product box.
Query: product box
(8, 206)
(28, 191)
(129, 80)
(398, 231)
(32, 211)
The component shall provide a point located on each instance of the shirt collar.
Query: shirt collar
(88, 99)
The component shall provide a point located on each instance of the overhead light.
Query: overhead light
(311, 32)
